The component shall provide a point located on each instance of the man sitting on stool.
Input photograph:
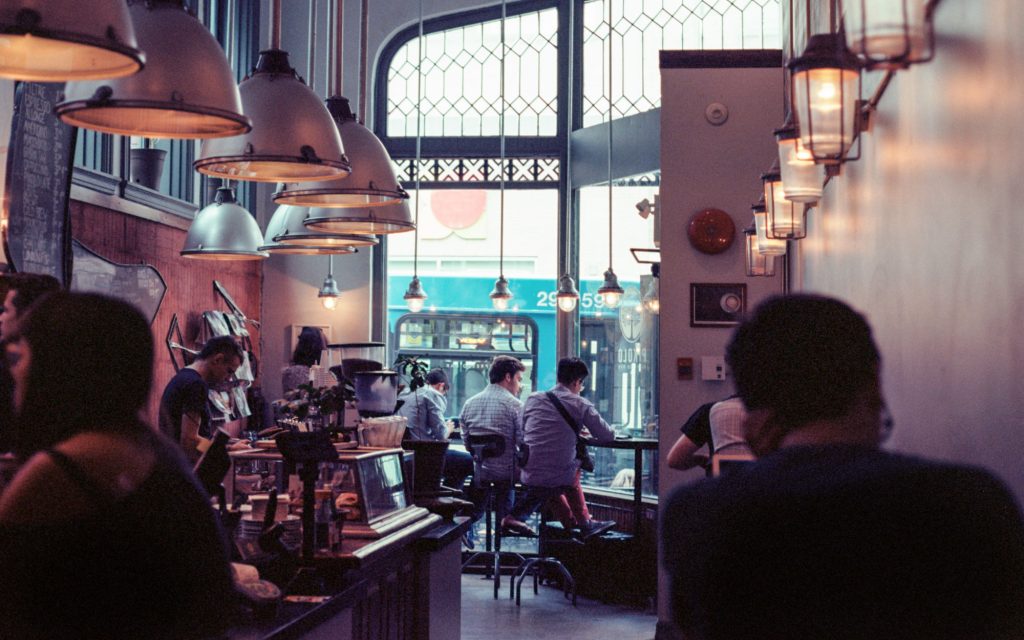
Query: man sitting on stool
(552, 472)
(424, 408)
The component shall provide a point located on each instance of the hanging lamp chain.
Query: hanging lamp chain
(610, 104)
(501, 151)
(419, 142)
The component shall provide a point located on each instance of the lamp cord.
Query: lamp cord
(311, 49)
(275, 24)
(364, 36)
(501, 137)
(611, 32)
(416, 167)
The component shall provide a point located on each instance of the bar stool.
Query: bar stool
(536, 566)
(481, 447)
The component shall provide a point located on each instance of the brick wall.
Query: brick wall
(131, 240)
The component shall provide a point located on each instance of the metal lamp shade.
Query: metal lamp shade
(610, 291)
(396, 218)
(802, 178)
(826, 89)
(765, 245)
(223, 230)
(293, 137)
(286, 234)
(415, 296)
(889, 34)
(372, 183)
(784, 219)
(60, 40)
(758, 264)
(501, 294)
(186, 90)
(568, 296)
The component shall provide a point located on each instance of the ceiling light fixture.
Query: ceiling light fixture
(501, 293)
(162, 101)
(373, 182)
(415, 296)
(61, 40)
(286, 234)
(224, 230)
(329, 291)
(610, 291)
(293, 137)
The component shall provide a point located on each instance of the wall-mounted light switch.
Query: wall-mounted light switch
(712, 368)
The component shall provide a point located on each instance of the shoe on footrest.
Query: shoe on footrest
(512, 527)
(592, 528)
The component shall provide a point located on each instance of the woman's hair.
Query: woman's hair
(91, 369)
(311, 343)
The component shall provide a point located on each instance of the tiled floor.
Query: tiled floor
(546, 615)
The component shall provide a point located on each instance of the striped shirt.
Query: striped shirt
(495, 410)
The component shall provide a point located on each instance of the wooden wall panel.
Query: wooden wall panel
(131, 240)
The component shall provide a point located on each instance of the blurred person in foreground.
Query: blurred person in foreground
(17, 292)
(827, 536)
(104, 532)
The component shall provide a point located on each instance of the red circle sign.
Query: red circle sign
(711, 231)
(458, 208)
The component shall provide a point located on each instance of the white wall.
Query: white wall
(924, 235)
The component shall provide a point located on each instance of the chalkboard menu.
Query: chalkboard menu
(139, 284)
(40, 157)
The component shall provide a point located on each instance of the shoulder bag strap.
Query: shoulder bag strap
(565, 414)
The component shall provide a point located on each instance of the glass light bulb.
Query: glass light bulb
(567, 303)
(611, 299)
(415, 304)
(329, 302)
(500, 304)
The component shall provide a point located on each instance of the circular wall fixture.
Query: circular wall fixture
(711, 231)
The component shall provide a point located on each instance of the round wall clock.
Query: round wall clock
(711, 231)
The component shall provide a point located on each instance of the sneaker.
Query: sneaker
(592, 528)
(469, 539)
(512, 527)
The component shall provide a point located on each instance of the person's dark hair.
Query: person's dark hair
(310, 345)
(571, 370)
(437, 376)
(28, 288)
(806, 357)
(91, 369)
(221, 344)
(503, 366)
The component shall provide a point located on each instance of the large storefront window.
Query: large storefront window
(458, 329)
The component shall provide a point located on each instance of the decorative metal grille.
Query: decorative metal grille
(461, 80)
(641, 29)
(434, 171)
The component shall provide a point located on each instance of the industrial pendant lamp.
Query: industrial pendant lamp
(568, 296)
(785, 219)
(370, 200)
(890, 34)
(329, 292)
(60, 40)
(610, 291)
(652, 297)
(765, 245)
(757, 263)
(293, 137)
(501, 293)
(826, 92)
(224, 230)
(415, 296)
(373, 182)
(162, 101)
(286, 234)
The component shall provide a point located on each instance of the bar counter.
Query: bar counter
(404, 585)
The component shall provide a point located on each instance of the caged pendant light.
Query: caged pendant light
(329, 291)
(293, 137)
(610, 291)
(162, 100)
(61, 40)
(785, 219)
(765, 245)
(501, 293)
(757, 263)
(890, 34)
(373, 182)
(415, 296)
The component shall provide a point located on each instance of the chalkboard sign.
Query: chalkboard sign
(139, 284)
(38, 187)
